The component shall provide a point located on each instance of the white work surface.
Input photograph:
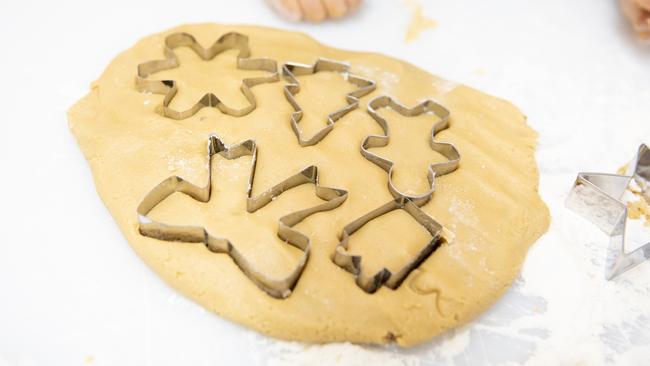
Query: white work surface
(72, 292)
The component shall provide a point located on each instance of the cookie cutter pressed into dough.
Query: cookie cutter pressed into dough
(290, 70)
(447, 150)
(598, 197)
(168, 88)
(409, 203)
(352, 263)
(278, 288)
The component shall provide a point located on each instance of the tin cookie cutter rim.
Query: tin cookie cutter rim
(447, 150)
(598, 198)
(278, 288)
(290, 71)
(384, 277)
(169, 88)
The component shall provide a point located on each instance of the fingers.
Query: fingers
(316, 10)
(336, 8)
(353, 4)
(643, 4)
(313, 10)
(290, 9)
(638, 15)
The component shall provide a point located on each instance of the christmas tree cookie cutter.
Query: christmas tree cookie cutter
(290, 70)
(276, 287)
(598, 198)
(169, 88)
(407, 202)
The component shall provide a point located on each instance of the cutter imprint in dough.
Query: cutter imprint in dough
(490, 203)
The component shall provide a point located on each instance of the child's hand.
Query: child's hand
(638, 12)
(314, 10)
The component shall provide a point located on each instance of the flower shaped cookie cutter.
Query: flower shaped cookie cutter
(169, 88)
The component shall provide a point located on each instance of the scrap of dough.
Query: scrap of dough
(490, 203)
(419, 23)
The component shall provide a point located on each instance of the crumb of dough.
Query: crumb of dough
(638, 209)
(418, 24)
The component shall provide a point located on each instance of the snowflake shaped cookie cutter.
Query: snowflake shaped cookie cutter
(278, 288)
(598, 198)
(409, 203)
(290, 70)
(169, 88)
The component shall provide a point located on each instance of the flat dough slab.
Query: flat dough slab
(490, 203)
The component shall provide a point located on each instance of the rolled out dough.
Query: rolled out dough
(490, 203)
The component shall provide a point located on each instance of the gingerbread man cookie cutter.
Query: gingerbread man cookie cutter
(598, 198)
(447, 150)
(290, 70)
(276, 287)
(169, 88)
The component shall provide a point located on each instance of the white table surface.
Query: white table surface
(73, 293)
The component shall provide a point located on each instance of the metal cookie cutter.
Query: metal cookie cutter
(291, 70)
(598, 197)
(352, 263)
(409, 203)
(169, 88)
(278, 288)
(447, 150)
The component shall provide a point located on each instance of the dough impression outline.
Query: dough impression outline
(409, 203)
(278, 288)
(169, 88)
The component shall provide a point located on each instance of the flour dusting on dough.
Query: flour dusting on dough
(462, 210)
(386, 79)
(445, 87)
(291, 353)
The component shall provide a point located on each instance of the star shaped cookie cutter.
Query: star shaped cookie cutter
(409, 203)
(290, 70)
(598, 197)
(278, 288)
(447, 150)
(169, 88)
